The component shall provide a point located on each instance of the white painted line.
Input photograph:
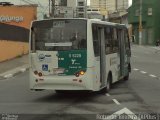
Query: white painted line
(130, 115)
(108, 95)
(135, 69)
(143, 72)
(152, 76)
(23, 69)
(116, 101)
(8, 76)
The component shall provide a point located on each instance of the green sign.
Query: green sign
(72, 61)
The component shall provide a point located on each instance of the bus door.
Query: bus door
(102, 56)
(121, 53)
(99, 51)
(127, 52)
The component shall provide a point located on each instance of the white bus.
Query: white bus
(78, 54)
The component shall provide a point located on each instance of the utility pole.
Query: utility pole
(53, 8)
(49, 8)
(140, 23)
(86, 8)
(116, 5)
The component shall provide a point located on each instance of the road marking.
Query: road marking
(8, 76)
(152, 76)
(116, 101)
(23, 69)
(143, 72)
(135, 69)
(126, 111)
(108, 95)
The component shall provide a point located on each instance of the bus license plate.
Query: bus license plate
(58, 71)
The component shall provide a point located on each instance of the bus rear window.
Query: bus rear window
(54, 35)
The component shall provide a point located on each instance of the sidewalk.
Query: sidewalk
(11, 67)
(155, 49)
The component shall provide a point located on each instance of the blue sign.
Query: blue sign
(45, 67)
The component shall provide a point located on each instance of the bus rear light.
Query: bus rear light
(35, 72)
(36, 80)
(40, 74)
(81, 72)
(77, 74)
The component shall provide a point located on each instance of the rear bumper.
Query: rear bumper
(58, 83)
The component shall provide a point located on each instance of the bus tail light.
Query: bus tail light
(40, 74)
(36, 80)
(35, 72)
(77, 74)
(81, 72)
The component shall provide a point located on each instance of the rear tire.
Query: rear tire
(60, 91)
(126, 78)
(108, 86)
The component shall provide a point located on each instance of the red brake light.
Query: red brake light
(40, 74)
(81, 72)
(35, 72)
(77, 74)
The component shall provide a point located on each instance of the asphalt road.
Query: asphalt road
(138, 95)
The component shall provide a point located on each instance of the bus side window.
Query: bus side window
(115, 40)
(96, 42)
(127, 44)
(108, 40)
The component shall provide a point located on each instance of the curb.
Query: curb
(7, 75)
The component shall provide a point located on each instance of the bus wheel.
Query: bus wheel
(108, 86)
(60, 91)
(126, 77)
(109, 82)
(129, 70)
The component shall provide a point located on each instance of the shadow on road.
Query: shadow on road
(67, 96)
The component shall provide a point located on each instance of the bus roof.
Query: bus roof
(98, 21)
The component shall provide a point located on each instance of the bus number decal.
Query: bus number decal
(75, 55)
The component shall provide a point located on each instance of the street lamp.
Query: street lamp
(140, 23)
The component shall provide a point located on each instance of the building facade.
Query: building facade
(68, 3)
(122, 5)
(15, 24)
(66, 8)
(150, 21)
(110, 5)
